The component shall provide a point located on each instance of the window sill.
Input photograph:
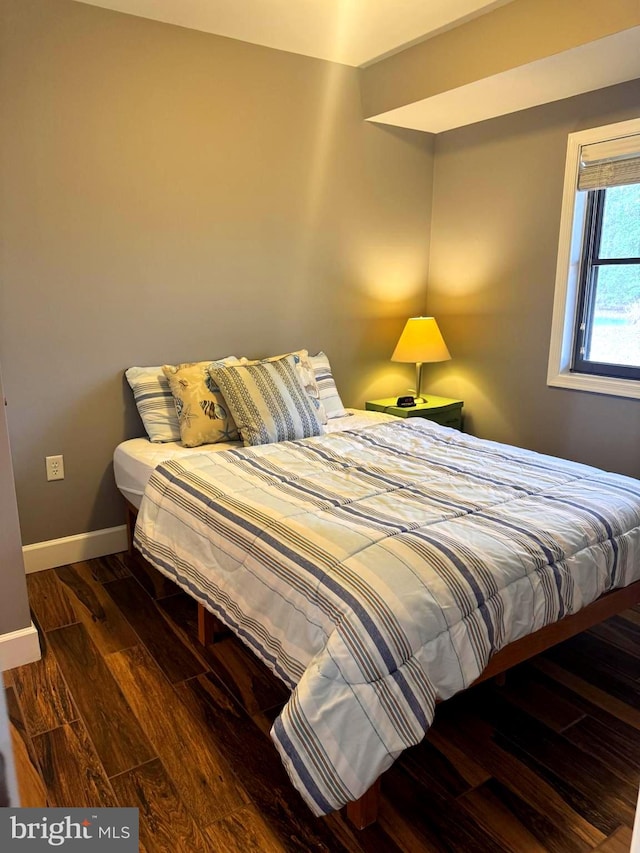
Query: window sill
(596, 384)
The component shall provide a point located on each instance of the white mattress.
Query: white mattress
(135, 460)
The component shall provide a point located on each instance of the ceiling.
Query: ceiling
(353, 32)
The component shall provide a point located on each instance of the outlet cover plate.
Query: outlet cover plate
(55, 467)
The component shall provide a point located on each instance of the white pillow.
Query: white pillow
(154, 401)
(327, 389)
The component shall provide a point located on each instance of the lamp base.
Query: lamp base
(418, 398)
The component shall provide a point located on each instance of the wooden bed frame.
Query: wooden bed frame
(364, 811)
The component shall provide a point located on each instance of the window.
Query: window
(607, 340)
(595, 342)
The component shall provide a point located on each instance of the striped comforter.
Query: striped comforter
(377, 569)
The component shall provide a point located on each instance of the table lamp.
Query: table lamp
(419, 342)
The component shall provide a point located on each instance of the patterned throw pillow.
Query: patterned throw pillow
(305, 371)
(328, 391)
(268, 401)
(202, 412)
(154, 401)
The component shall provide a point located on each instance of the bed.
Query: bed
(381, 568)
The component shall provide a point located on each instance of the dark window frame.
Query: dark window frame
(589, 266)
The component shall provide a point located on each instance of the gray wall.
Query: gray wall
(496, 215)
(169, 195)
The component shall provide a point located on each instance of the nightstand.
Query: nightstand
(442, 410)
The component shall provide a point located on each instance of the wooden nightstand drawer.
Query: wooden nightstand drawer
(441, 410)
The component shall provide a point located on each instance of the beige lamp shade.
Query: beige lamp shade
(421, 341)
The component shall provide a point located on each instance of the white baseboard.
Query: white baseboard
(19, 647)
(73, 549)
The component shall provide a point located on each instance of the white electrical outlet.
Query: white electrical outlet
(55, 467)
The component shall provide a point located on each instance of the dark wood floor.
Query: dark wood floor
(125, 708)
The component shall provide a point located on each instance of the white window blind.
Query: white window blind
(611, 163)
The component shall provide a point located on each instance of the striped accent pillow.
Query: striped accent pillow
(306, 373)
(154, 401)
(268, 401)
(327, 389)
